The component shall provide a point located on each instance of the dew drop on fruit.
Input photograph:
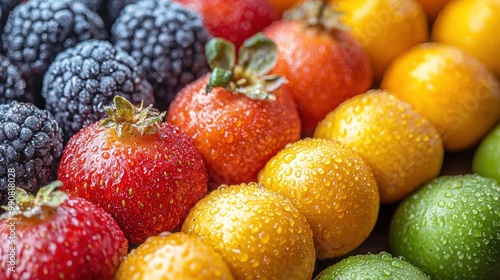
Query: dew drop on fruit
(396, 264)
(243, 257)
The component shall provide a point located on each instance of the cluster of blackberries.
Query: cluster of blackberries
(62, 61)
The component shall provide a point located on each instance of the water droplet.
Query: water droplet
(397, 264)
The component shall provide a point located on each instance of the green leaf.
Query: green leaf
(258, 54)
(220, 53)
(256, 91)
(124, 108)
(219, 78)
(273, 82)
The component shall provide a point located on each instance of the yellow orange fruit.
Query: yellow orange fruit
(259, 233)
(453, 90)
(471, 26)
(332, 186)
(174, 256)
(385, 28)
(432, 8)
(403, 149)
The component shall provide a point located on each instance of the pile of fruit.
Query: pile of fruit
(249, 139)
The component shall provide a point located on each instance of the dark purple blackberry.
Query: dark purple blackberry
(12, 85)
(93, 5)
(115, 7)
(82, 79)
(38, 30)
(30, 145)
(168, 40)
(6, 6)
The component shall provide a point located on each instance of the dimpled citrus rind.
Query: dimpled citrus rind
(403, 149)
(175, 256)
(372, 266)
(469, 25)
(259, 233)
(385, 28)
(457, 93)
(332, 186)
(450, 228)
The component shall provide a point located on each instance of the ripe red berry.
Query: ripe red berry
(56, 236)
(145, 172)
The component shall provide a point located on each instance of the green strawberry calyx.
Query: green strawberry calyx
(28, 205)
(123, 116)
(317, 13)
(256, 57)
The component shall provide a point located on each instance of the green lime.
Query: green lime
(450, 228)
(486, 160)
(372, 266)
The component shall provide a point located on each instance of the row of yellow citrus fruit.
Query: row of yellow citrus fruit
(320, 198)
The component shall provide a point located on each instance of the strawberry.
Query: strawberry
(145, 172)
(324, 64)
(56, 236)
(234, 20)
(238, 116)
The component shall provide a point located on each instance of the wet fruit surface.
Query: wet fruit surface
(452, 89)
(332, 186)
(259, 233)
(450, 228)
(486, 161)
(173, 256)
(403, 149)
(470, 25)
(385, 28)
(235, 134)
(323, 68)
(372, 266)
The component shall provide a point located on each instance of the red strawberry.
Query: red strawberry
(234, 20)
(324, 64)
(56, 236)
(146, 173)
(238, 116)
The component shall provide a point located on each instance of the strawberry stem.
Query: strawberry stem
(123, 116)
(256, 57)
(317, 13)
(29, 206)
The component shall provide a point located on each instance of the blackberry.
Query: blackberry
(93, 5)
(84, 78)
(168, 40)
(11, 83)
(115, 7)
(38, 30)
(6, 6)
(30, 146)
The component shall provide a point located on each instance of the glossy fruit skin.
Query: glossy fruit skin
(148, 183)
(236, 135)
(469, 25)
(384, 28)
(283, 5)
(449, 228)
(78, 240)
(403, 149)
(486, 161)
(453, 90)
(234, 20)
(432, 8)
(173, 256)
(259, 233)
(323, 69)
(372, 266)
(332, 186)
